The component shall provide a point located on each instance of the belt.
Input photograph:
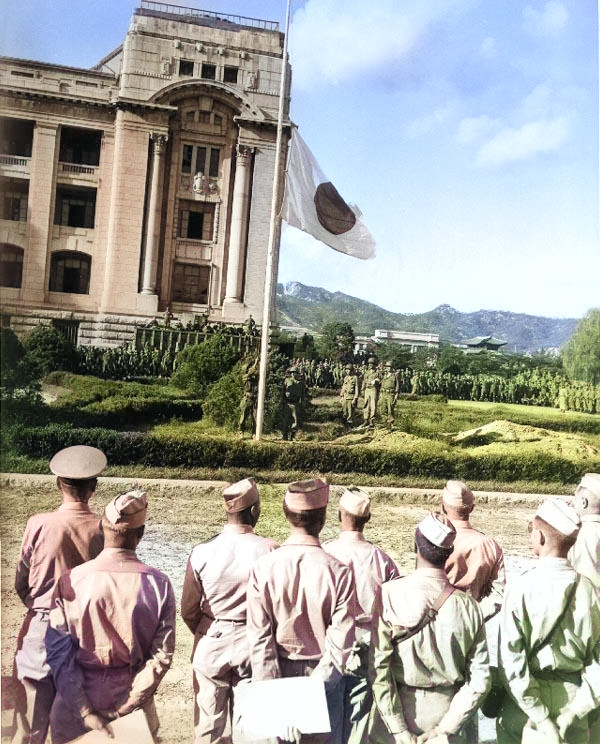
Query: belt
(229, 620)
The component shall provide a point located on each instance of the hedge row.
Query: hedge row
(426, 459)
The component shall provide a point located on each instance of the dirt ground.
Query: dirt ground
(183, 513)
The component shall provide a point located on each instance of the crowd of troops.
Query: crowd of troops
(402, 659)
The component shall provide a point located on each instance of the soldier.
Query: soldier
(431, 667)
(371, 567)
(370, 391)
(213, 606)
(52, 544)
(302, 603)
(349, 393)
(549, 645)
(388, 393)
(111, 635)
(293, 393)
(476, 564)
(585, 554)
(249, 394)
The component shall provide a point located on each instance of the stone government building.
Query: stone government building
(143, 185)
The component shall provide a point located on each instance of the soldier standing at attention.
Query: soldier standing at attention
(585, 554)
(349, 393)
(430, 659)
(112, 630)
(52, 544)
(302, 603)
(293, 393)
(213, 606)
(476, 564)
(249, 394)
(549, 648)
(388, 393)
(370, 391)
(370, 567)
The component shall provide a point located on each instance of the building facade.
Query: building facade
(144, 185)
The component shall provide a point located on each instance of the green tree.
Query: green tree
(337, 341)
(11, 356)
(47, 350)
(198, 366)
(581, 353)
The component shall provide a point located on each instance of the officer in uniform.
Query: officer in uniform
(213, 606)
(250, 391)
(431, 665)
(476, 564)
(302, 603)
(549, 647)
(388, 393)
(370, 390)
(293, 393)
(52, 544)
(349, 393)
(371, 568)
(111, 635)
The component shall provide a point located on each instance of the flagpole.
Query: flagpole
(266, 322)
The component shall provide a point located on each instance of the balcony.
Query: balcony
(14, 165)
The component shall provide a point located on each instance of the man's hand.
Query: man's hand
(564, 722)
(290, 734)
(546, 731)
(427, 735)
(95, 722)
(405, 737)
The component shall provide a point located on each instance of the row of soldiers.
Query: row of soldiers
(378, 385)
(402, 659)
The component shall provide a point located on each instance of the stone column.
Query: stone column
(152, 231)
(239, 225)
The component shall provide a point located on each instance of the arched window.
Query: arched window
(11, 265)
(70, 272)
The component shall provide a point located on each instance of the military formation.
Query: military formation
(402, 659)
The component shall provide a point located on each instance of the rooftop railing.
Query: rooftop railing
(204, 17)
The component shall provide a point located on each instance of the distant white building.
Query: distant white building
(409, 339)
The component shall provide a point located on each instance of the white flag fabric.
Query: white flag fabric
(312, 204)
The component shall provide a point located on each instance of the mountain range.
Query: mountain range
(310, 307)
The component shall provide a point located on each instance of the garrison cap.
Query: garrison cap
(307, 494)
(560, 515)
(457, 494)
(78, 463)
(355, 502)
(436, 530)
(239, 496)
(591, 483)
(128, 509)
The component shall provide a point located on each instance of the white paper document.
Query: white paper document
(131, 729)
(263, 709)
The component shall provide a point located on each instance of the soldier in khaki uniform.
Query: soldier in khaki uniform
(52, 544)
(549, 649)
(349, 393)
(302, 603)
(213, 606)
(431, 665)
(371, 568)
(476, 564)
(370, 390)
(585, 554)
(388, 393)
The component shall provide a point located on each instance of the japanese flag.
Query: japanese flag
(313, 204)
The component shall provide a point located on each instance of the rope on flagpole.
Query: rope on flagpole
(268, 294)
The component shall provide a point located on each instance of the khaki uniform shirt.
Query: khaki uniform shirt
(477, 565)
(114, 618)
(301, 606)
(370, 568)
(52, 544)
(216, 577)
(533, 602)
(585, 554)
(449, 652)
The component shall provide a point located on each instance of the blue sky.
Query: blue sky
(466, 131)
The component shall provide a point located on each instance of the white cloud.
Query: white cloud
(547, 22)
(524, 143)
(475, 128)
(537, 104)
(333, 42)
(426, 124)
(488, 47)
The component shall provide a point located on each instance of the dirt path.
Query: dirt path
(183, 513)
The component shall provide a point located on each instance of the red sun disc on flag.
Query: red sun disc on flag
(332, 211)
